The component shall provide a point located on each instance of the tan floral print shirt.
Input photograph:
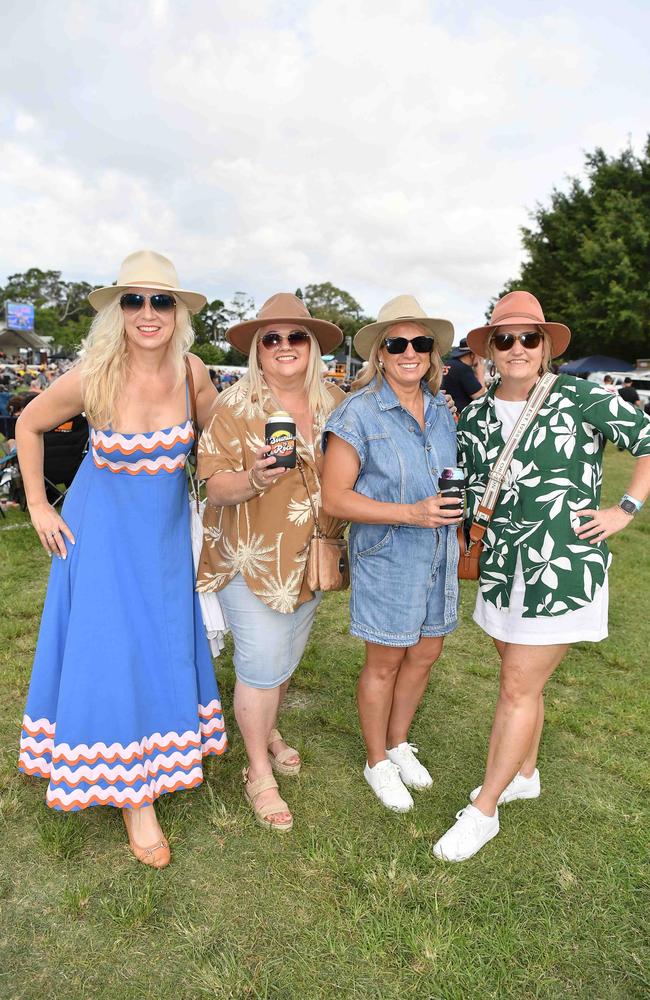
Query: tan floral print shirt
(266, 538)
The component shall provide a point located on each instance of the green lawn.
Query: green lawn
(352, 903)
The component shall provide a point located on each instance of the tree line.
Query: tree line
(587, 259)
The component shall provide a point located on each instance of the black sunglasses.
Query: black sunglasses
(504, 341)
(271, 340)
(160, 302)
(397, 345)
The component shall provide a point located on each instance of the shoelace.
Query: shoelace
(387, 775)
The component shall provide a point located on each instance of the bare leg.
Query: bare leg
(410, 686)
(145, 828)
(256, 710)
(375, 692)
(524, 672)
(279, 745)
(530, 762)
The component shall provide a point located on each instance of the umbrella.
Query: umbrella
(595, 363)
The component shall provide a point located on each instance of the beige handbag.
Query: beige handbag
(328, 565)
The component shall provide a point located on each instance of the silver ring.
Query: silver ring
(53, 534)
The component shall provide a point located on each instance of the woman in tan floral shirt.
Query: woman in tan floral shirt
(258, 525)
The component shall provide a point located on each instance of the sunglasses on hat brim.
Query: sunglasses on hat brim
(397, 345)
(161, 302)
(504, 341)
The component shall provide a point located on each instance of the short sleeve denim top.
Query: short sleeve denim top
(399, 463)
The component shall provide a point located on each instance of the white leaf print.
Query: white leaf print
(547, 547)
(587, 582)
(549, 577)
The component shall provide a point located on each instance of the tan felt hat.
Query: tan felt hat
(517, 309)
(147, 269)
(285, 308)
(403, 309)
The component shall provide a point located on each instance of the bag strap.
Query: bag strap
(301, 467)
(194, 418)
(195, 425)
(499, 470)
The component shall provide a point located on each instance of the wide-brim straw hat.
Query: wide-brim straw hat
(285, 308)
(515, 309)
(147, 269)
(403, 309)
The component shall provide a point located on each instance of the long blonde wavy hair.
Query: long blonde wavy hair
(319, 399)
(373, 369)
(104, 360)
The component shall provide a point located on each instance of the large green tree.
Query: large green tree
(61, 308)
(326, 301)
(588, 256)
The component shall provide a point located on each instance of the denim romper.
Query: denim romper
(404, 579)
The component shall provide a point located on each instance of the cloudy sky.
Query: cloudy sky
(386, 147)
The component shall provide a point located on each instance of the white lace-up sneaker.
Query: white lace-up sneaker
(387, 785)
(471, 831)
(519, 788)
(411, 771)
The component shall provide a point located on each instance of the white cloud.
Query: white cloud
(383, 148)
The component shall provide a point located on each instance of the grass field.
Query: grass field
(352, 904)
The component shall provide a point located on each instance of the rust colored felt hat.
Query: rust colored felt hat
(285, 308)
(515, 309)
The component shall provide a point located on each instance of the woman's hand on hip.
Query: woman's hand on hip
(602, 524)
(263, 471)
(435, 512)
(51, 529)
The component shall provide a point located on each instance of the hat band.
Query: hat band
(146, 281)
(518, 314)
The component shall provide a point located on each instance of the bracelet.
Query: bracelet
(253, 485)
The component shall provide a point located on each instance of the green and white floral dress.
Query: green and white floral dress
(539, 583)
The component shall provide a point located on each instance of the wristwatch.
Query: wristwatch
(630, 505)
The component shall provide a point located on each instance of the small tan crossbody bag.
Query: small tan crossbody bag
(328, 564)
(470, 541)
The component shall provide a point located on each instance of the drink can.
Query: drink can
(280, 434)
(452, 484)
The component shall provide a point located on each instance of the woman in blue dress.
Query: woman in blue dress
(123, 704)
(386, 447)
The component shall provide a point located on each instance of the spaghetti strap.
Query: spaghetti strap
(187, 400)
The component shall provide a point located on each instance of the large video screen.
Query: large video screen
(20, 316)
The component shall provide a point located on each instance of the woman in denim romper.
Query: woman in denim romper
(386, 447)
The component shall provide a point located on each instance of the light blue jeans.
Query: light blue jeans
(268, 644)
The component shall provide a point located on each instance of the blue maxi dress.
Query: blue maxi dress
(123, 703)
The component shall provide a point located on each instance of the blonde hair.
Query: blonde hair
(433, 377)
(105, 359)
(252, 384)
(547, 352)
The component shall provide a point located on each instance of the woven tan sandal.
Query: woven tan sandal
(279, 762)
(267, 809)
(157, 856)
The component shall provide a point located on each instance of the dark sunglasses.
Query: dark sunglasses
(504, 341)
(161, 302)
(271, 340)
(397, 345)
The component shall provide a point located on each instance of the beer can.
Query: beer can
(280, 434)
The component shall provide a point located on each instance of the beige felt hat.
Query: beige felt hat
(147, 269)
(517, 309)
(403, 309)
(285, 308)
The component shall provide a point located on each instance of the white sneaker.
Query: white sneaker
(519, 788)
(387, 785)
(411, 771)
(471, 831)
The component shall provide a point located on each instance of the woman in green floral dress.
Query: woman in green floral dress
(544, 567)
